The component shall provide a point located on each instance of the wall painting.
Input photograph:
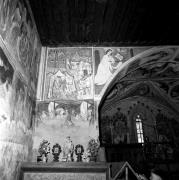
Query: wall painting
(57, 120)
(69, 74)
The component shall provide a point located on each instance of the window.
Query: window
(139, 128)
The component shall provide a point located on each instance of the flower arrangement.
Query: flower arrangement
(44, 150)
(92, 149)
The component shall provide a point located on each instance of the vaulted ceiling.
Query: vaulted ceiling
(106, 22)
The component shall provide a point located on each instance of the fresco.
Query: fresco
(24, 105)
(15, 124)
(6, 77)
(15, 127)
(115, 127)
(69, 74)
(19, 100)
(79, 73)
(20, 36)
(4, 16)
(148, 84)
(163, 125)
(19, 40)
(57, 120)
(34, 67)
(10, 157)
(107, 60)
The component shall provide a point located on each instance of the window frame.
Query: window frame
(139, 129)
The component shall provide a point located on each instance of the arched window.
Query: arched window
(139, 128)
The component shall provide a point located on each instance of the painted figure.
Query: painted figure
(68, 121)
(54, 81)
(105, 68)
(73, 79)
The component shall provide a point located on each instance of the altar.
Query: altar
(77, 171)
(64, 171)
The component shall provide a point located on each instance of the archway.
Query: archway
(148, 80)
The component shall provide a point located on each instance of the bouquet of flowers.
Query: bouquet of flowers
(93, 148)
(44, 150)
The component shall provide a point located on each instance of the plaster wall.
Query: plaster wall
(71, 83)
(20, 50)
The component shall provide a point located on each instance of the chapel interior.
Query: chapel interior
(89, 89)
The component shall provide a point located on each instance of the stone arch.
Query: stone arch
(123, 68)
(161, 62)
